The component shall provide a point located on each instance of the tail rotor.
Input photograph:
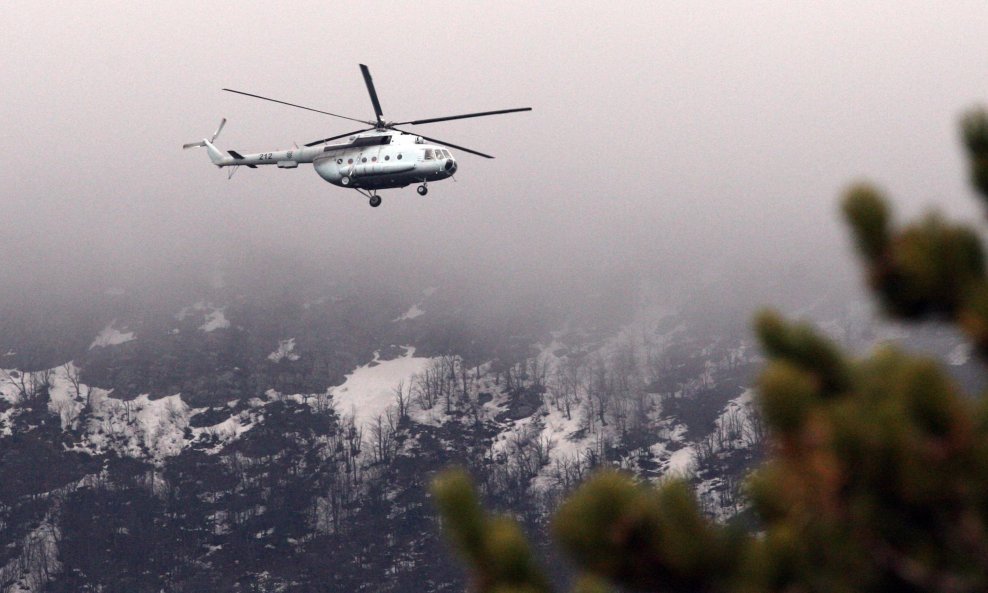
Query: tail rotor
(204, 142)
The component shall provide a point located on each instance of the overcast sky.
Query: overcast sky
(661, 132)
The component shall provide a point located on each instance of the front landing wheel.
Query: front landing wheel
(375, 201)
(422, 189)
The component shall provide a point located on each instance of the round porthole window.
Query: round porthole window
(399, 157)
(349, 161)
(339, 161)
(373, 159)
(387, 158)
(363, 160)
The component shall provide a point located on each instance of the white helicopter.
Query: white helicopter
(371, 159)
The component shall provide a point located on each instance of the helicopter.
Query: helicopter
(370, 159)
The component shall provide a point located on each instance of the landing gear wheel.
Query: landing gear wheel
(422, 189)
(375, 201)
(345, 180)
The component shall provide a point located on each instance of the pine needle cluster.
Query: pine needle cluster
(878, 474)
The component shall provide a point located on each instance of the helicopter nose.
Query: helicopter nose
(450, 165)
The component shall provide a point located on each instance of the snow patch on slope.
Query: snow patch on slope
(285, 351)
(681, 461)
(64, 399)
(215, 319)
(413, 312)
(369, 390)
(568, 439)
(111, 336)
(735, 417)
(731, 426)
(675, 456)
(157, 429)
(140, 427)
(226, 431)
(416, 310)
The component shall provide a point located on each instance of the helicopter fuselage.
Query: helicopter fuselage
(370, 161)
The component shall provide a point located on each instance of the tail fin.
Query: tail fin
(214, 154)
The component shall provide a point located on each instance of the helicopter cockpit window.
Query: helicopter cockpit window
(428, 154)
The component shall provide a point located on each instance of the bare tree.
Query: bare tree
(382, 434)
(29, 385)
(436, 382)
(602, 391)
(755, 431)
(538, 370)
(80, 390)
(43, 381)
(402, 399)
(542, 447)
(324, 403)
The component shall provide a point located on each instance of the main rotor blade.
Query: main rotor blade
(294, 105)
(464, 116)
(444, 143)
(340, 136)
(373, 93)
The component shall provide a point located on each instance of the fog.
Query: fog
(668, 140)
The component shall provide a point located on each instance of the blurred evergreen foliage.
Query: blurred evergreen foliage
(878, 474)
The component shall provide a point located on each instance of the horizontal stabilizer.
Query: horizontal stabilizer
(240, 157)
